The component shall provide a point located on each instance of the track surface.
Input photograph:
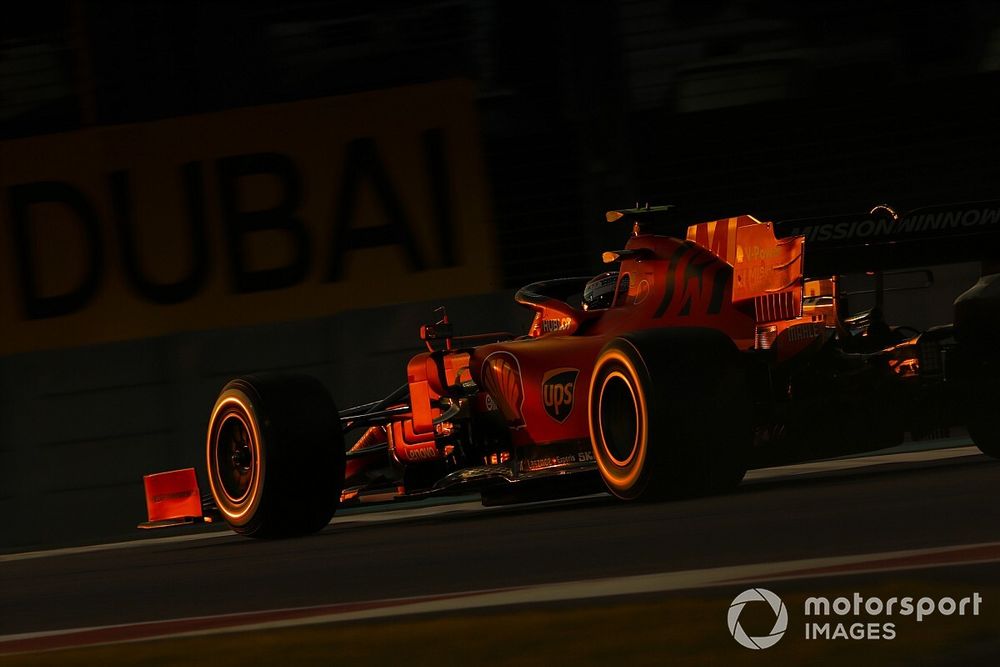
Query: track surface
(795, 514)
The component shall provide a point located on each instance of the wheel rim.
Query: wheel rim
(618, 418)
(235, 456)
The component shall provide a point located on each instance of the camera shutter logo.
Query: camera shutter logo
(777, 606)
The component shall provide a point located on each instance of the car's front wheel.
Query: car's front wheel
(275, 455)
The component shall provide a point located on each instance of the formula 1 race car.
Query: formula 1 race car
(711, 348)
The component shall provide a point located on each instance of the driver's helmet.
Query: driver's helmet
(600, 291)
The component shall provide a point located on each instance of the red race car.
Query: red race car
(711, 348)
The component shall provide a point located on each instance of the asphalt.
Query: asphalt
(872, 508)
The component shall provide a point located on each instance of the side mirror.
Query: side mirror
(436, 331)
(440, 330)
(639, 254)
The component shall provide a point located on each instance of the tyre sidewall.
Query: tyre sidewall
(697, 414)
(301, 454)
(237, 399)
(626, 476)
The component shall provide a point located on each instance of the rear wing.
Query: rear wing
(882, 240)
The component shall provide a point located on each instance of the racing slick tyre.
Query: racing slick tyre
(275, 455)
(985, 433)
(984, 418)
(977, 328)
(670, 414)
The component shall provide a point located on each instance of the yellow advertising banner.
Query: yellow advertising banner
(260, 214)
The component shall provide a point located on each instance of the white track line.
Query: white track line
(407, 513)
(810, 568)
(111, 546)
(403, 513)
(366, 517)
(860, 462)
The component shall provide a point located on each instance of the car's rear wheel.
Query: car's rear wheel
(984, 416)
(275, 455)
(669, 414)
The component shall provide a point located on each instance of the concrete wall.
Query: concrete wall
(79, 427)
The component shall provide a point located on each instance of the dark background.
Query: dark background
(778, 109)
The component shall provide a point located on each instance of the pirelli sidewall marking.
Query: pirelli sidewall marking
(267, 213)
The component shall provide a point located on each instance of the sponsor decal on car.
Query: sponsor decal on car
(502, 378)
(176, 495)
(558, 324)
(801, 332)
(873, 227)
(695, 283)
(559, 460)
(641, 292)
(557, 392)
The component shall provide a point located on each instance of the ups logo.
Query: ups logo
(557, 392)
